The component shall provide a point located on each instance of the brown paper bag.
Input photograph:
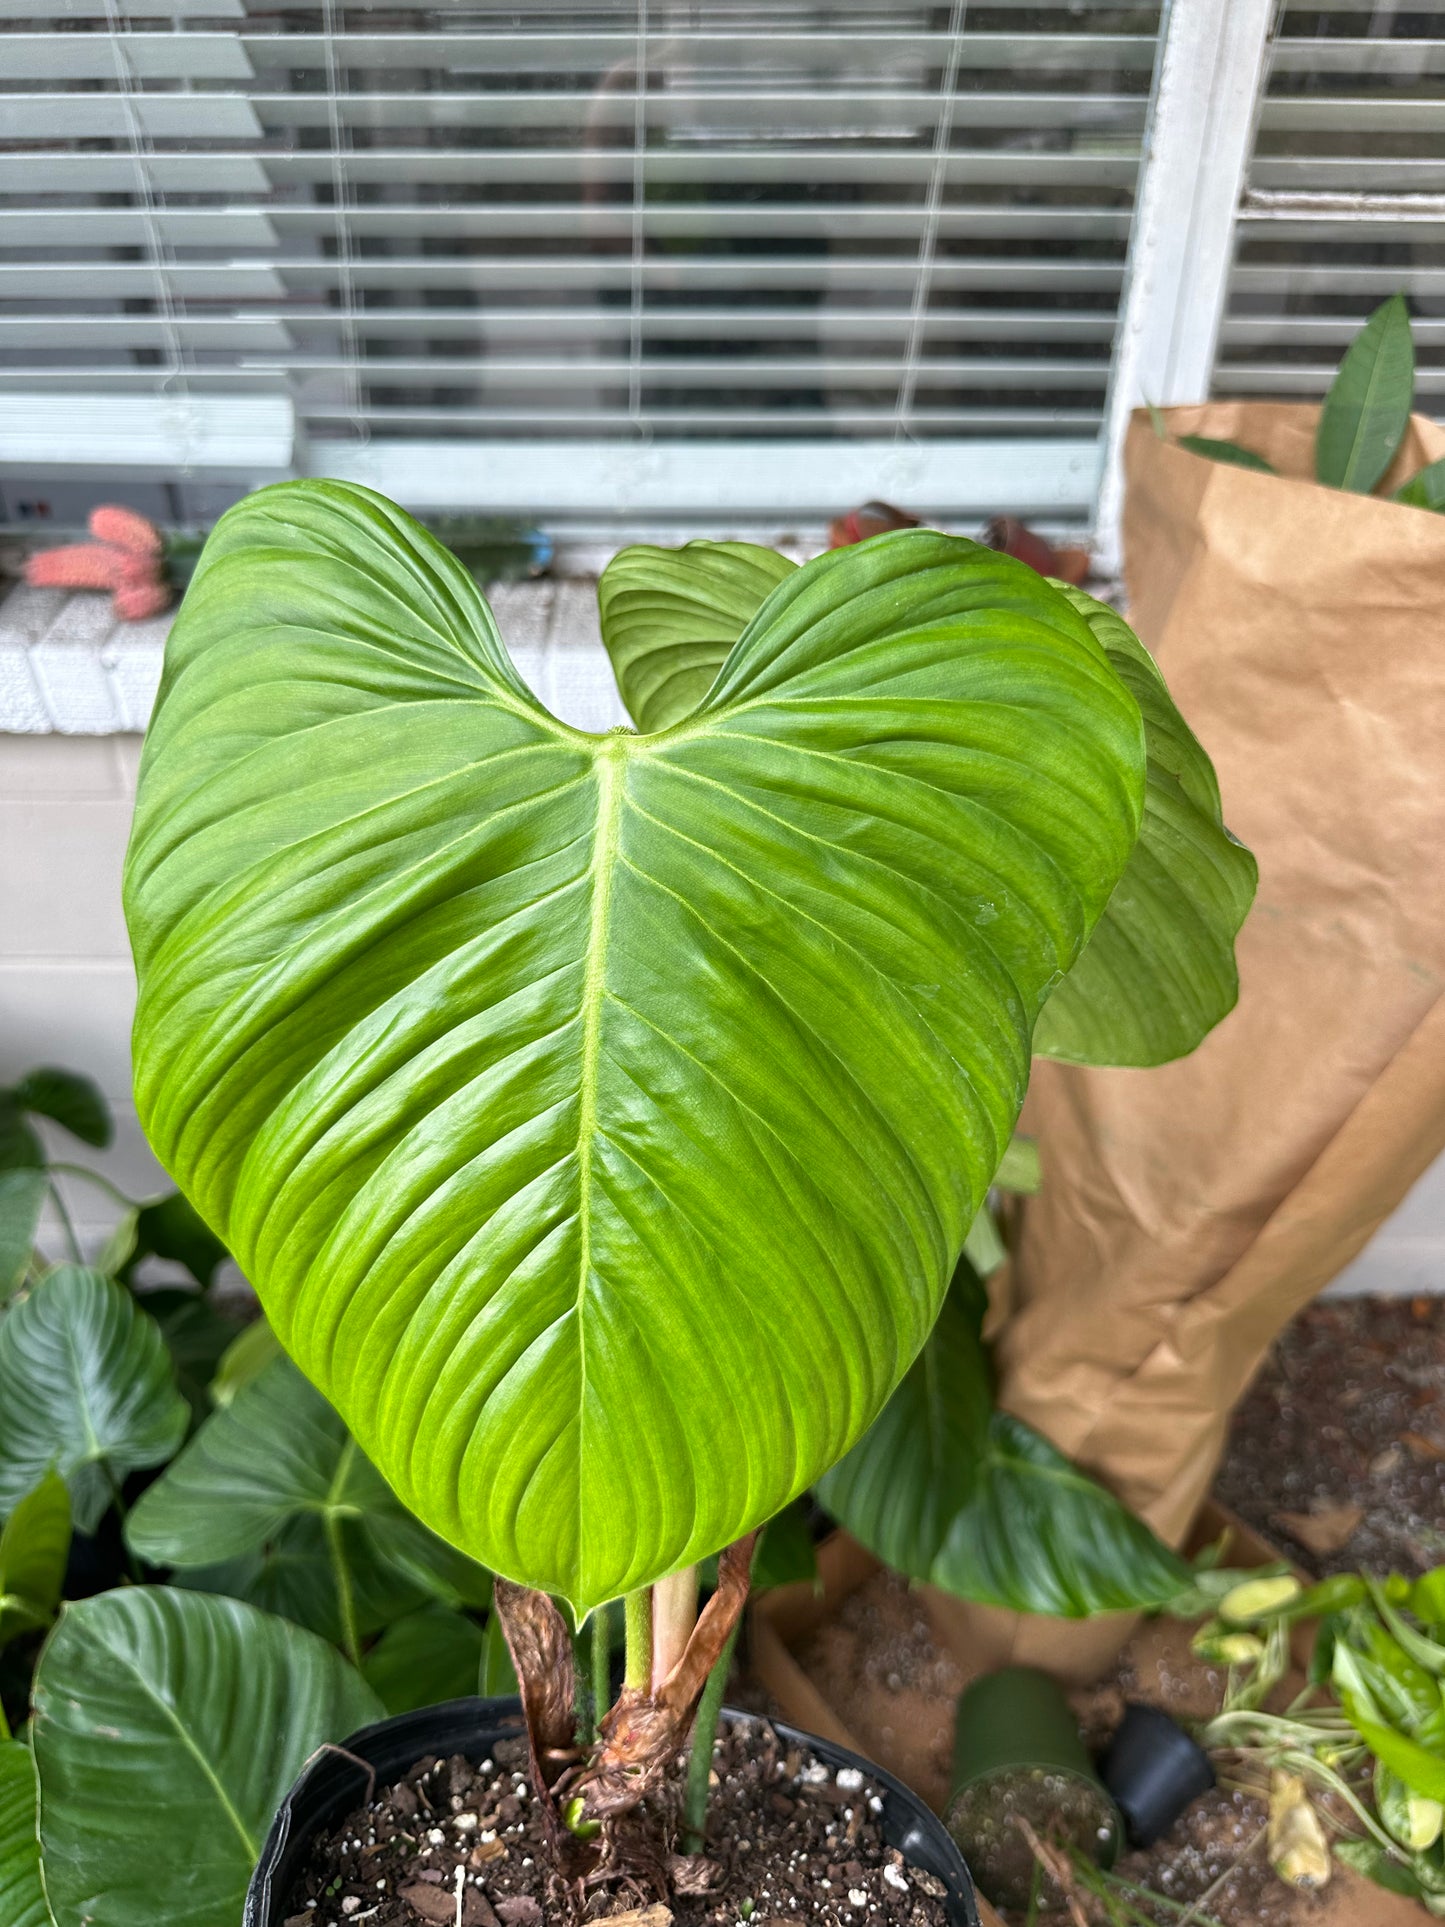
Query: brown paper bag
(1187, 1212)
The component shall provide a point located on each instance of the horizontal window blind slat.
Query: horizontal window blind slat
(808, 53)
(258, 227)
(1013, 274)
(117, 57)
(496, 325)
(198, 117)
(33, 172)
(1378, 57)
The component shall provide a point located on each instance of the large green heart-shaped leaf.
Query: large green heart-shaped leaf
(34, 1547)
(600, 1117)
(276, 1471)
(1159, 971)
(946, 1489)
(168, 1726)
(670, 616)
(22, 1898)
(87, 1386)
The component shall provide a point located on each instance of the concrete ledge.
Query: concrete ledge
(68, 668)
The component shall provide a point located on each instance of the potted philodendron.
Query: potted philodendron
(601, 1117)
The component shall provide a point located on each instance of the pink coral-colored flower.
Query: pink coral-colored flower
(138, 601)
(81, 565)
(126, 530)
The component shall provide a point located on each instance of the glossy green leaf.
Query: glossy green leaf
(1427, 1597)
(427, 1657)
(198, 1338)
(87, 1386)
(670, 616)
(20, 1148)
(22, 1199)
(22, 1898)
(34, 1547)
(1419, 1768)
(599, 1117)
(1159, 971)
(1425, 490)
(274, 1492)
(1229, 452)
(786, 1553)
(206, 1711)
(1367, 409)
(245, 1358)
(171, 1228)
(946, 1489)
(77, 1103)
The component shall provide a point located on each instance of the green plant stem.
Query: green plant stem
(345, 1598)
(5, 1733)
(638, 1610)
(704, 1739)
(601, 1668)
(95, 1177)
(66, 1225)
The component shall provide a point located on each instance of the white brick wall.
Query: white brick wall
(66, 988)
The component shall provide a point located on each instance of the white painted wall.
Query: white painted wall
(66, 987)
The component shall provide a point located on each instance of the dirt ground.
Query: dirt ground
(1337, 1455)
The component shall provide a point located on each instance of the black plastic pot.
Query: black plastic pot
(1018, 1751)
(331, 1785)
(1154, 1770)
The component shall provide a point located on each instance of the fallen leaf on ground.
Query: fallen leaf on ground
(1326, 1530)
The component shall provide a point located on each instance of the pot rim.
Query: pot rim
(924, 1841)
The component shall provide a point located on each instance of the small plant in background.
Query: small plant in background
(1355, 1763)
(146, 1434)
(1363, 420)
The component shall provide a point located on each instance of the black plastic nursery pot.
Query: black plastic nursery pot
(1018, 1753)
(1154, 1770)
(332, 1785)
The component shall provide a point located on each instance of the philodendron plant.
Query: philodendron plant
(601, 1117)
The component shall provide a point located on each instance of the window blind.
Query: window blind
(1345, 199)
(732, 223)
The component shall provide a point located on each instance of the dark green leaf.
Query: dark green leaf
(1425, 490)
(1367, 410)
(671, 616)
(22, 1898)
(171, 1228)
(86, 1386)
(1230, 452)
(22, 1199)
(198, 1338)
(1369, 1858)
(208, 1709)
(427, 1657)
(1159, 971)
(786, 1553)
(535, 1078)
(34, 1547)
(273, 1492)
(20, 1148)
(976, 1502)
(69, 1100)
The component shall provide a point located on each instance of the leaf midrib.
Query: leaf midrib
(611, 788)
